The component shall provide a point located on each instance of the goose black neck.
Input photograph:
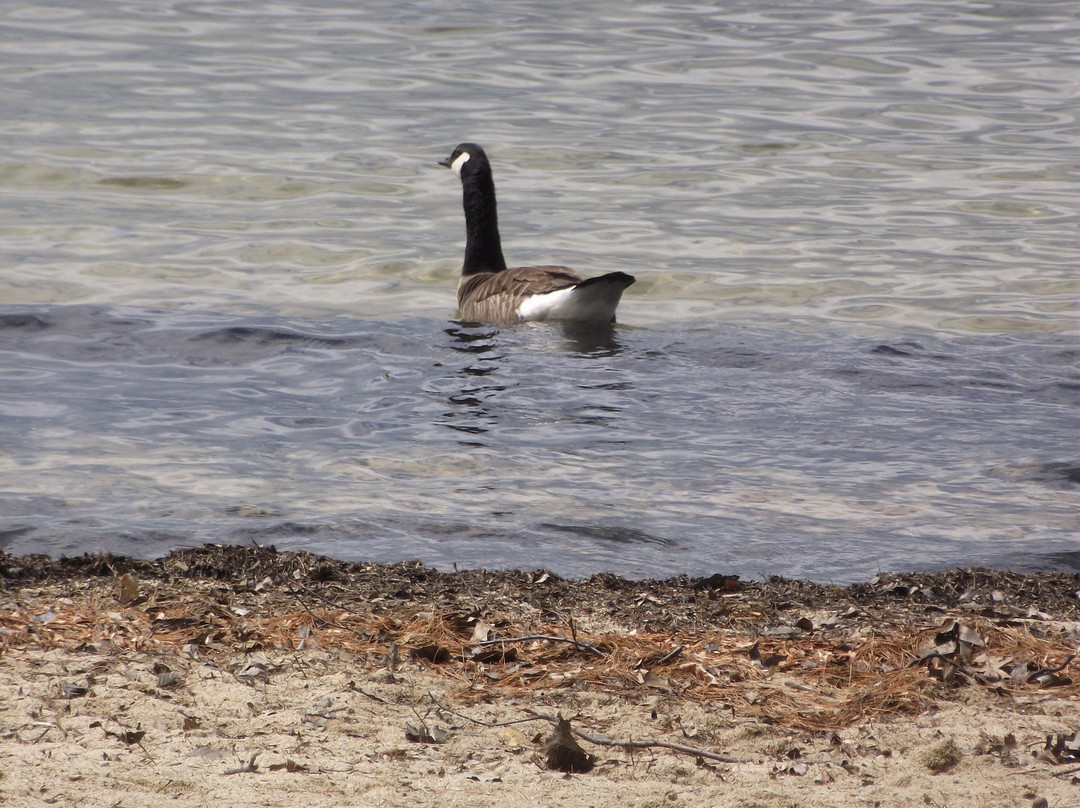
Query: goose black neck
(483, 250)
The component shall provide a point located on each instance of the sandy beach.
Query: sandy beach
(243, 676)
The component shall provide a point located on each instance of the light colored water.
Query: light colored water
(852, 342)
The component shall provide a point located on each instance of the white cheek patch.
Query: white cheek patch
(461, 160)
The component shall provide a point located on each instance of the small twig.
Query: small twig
(931, 656)
(1066, 772)
(43, 733)
(670, 655)
(293, 585)
(246, 768)
(1043, 671)
(646, 743)
(488, 724)
(472, 594)
(550, 638)
(357, 689)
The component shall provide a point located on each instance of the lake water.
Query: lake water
(228, 261)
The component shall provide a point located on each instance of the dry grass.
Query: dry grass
(489, 644)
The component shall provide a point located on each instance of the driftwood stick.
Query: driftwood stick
(644, 743)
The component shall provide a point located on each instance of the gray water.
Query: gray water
(228, 258)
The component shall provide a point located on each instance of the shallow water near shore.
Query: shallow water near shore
(643, 451)
(228, 258)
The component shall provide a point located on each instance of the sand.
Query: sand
(240, 676)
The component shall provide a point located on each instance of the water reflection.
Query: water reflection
(471, 338)
(471, 414)
(591, 340)
(496, 384)
(585, 339)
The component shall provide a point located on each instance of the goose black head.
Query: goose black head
(466, 154)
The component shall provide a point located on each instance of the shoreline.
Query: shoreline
(248, 676)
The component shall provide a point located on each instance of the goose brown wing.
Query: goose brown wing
(520, 282)
(495, 296)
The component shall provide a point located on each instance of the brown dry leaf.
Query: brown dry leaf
(563, 752)
(127, 589)
(481, 631)
(650, 679)
(1063, 747)
(72, 690)
(289, 765)
(425, 734)
(720, 582)
(494, 655)
(512, 738)
(128, 736)
(432, 653)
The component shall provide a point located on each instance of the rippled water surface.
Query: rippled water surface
(228, 258)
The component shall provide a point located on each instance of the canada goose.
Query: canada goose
(489, 292)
